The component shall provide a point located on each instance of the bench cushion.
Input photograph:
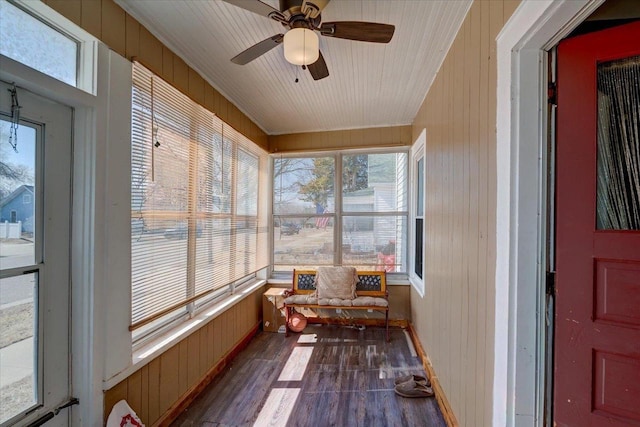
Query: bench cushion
(336, 282)
(370, 301)
(301, 299)
(335, 302)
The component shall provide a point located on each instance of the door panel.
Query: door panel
(34, 263)
(597, 341)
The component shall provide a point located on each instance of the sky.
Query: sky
(26, 145)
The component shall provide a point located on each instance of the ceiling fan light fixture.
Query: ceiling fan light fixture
(301, 46)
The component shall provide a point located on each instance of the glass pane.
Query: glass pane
(419, 247)
(618, 194)
(246, 247)
(302, 242)
(303, 185)
(17, 195)
(374, 242)
(247, 191)
(374, 182)
(37, 45)
(420, 189)
(213, 258)
(18, 349)
(159, 266)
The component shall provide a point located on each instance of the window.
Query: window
(364, 225)
(35, 35)
(196, 226)
(417, 241)
(39, 45)
(419, 218)
(26, 199)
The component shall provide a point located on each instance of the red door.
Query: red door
(597, 340)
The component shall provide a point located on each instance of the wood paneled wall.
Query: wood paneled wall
(157, 387)
(341, 139)
(108, 22)
(455, 319)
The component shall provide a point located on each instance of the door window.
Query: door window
(618, 193)
(19, 368)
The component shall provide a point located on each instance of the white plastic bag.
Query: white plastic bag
(123, 416)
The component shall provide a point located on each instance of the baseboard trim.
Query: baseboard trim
(190, 395)
(441, 397)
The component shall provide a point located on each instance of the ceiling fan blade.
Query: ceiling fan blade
(361, 31)
(256, 6)
(313, 7)
(319, 68)
(257, 50)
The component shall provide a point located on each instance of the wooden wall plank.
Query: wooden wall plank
(217, 338)
(510, 6)
(134, 392)
(223, 109)
(331, 140)
(209, 99)
(91, 17)
(180, 74)
(167, 64)
(70, 9)
(144, 395)
(483, 146)
(169, 378)
(132, 35)
(183, 367)
(114, 395)
(228, 333)
(196, 86)
(154, 390)
(193, 366)
(150, 51)
(203, 366)
(474, 107)
(210, 345)
(113, 22)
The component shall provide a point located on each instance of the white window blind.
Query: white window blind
(195, 190)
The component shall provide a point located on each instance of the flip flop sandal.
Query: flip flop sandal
(417, 378)
(413, 389)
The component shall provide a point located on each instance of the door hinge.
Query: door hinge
(552, 93)
(551, 283)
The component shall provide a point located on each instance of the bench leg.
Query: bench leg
(386, 321)
(286, 320)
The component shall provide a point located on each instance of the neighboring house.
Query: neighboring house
(19, 207)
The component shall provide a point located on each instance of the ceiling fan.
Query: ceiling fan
(301, 45)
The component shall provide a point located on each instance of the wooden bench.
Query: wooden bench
(371, 294)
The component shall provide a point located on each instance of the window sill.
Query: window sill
(153, 349)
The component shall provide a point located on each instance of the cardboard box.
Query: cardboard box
(273, 316)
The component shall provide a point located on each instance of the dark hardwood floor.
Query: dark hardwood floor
(327, 376)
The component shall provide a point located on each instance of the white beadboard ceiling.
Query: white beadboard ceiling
(370, 84)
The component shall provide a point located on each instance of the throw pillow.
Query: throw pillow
(336, 282)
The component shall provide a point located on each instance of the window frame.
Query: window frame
(418, 152)
(87, 44)
(339, 213)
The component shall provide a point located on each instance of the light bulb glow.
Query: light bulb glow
(301, 46)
